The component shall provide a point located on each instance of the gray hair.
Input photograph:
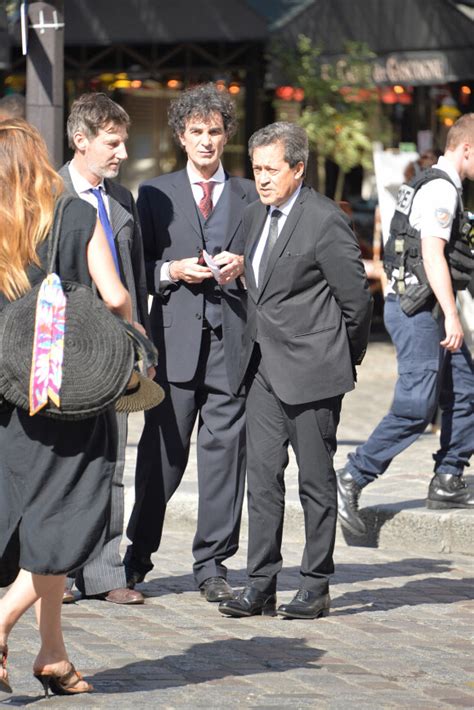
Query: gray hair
(293, 138)
(13, 106)
(201, 102)
(92, 112)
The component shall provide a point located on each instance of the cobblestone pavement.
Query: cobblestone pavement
(399, 635)
(396, 499)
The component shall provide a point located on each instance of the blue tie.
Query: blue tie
(105, 222)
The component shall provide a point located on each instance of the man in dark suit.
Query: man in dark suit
(97, 131)
(308, 322)
(197, 320)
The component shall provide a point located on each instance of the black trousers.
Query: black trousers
(162, 457)
(310, 428)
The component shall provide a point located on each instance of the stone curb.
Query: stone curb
(390, 527)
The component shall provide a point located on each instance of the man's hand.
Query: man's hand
(189, 271)
(437, 271)
(139, 327)
(232, 266)
(454, 332)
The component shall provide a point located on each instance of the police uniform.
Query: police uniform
(427, 374)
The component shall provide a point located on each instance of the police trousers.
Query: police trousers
(428, 375)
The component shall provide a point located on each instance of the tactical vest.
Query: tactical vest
(402, 252)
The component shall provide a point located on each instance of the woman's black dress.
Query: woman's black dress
(55, 476)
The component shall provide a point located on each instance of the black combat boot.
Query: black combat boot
(348, 493)
(449, 491)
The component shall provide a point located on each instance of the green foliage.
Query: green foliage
(341, 109)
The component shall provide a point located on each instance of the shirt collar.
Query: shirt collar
(286, 207)
(79, 182)
(194, 177)
(447, 167)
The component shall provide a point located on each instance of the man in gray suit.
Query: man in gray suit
(197, 318)
(308, 322)
(97, 131)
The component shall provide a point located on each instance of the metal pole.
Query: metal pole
(45, 74)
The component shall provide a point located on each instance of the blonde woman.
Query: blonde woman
(55, 476)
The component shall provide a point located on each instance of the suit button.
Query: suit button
(198, 316)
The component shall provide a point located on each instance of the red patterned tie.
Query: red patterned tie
(205, 204)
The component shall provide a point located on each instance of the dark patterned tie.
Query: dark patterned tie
(269, 244)
(205, 204)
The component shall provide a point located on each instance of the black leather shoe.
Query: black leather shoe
(250, 602)
(216, 589)
(133, 577)
(137, 565)
(348, 493)
(306, 605)
(449, 491)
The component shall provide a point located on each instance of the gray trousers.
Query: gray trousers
(106, 571)
(162, 458)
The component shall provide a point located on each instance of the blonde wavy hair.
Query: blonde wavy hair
(29, 187)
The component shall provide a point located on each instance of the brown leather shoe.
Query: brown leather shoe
(68, 596)
(125, 596)
(119, 596)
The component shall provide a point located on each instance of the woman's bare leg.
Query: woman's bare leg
(46, 593)
(23, 593)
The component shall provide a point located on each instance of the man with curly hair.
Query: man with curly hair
(197, 319)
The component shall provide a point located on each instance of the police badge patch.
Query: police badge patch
(443, 217)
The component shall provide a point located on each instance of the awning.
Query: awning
(416, 41)
(105, 22)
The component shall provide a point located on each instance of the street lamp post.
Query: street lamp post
(45, 73)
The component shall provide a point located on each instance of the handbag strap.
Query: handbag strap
(53, 236)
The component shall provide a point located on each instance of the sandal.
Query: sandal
(4, 684)
(65, 684)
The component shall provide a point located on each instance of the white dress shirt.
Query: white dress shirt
(285, 210)
(83, 188)
(219, 179)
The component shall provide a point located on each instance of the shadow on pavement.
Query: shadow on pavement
(289, 579)
(431, 590)
(204, 662)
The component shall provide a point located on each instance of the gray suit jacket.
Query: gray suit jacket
(128, 239)
(311, 314)
(172, 230)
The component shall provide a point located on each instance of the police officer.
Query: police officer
(434, 363)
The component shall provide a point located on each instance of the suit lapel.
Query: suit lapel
(119, 216)
(66, 176)
(232, 197)
(288, 229)
(255, 232)
(184, 200)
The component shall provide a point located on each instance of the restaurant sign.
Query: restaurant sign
(412, 68)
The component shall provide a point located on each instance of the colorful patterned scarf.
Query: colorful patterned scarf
(48, 346)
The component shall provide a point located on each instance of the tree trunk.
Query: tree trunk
(321, 162)
(341, 176)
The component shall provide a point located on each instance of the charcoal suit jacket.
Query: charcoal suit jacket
(311, 313)
(172, 230)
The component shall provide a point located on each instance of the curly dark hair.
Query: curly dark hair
(201, 102)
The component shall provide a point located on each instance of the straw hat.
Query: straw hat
(141, 394)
